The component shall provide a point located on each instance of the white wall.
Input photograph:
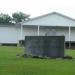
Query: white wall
(51, 20)
(8, 34)
(63, 32)
(11, 34)
(60, 31)
(30, 31)
(72, 34)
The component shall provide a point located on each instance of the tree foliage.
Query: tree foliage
(16, 17)
(19, 17)
(5, 18)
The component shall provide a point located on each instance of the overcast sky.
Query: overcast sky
(38, 7)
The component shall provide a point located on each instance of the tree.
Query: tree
(19, 17)
(5, 18)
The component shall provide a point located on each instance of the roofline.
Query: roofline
(48, 26)
(47, 15)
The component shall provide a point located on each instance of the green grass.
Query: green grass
(11, 65)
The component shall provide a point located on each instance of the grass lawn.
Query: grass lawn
(11, 65)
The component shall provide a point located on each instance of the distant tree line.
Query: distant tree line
(15, 18)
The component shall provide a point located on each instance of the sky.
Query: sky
(38, 7)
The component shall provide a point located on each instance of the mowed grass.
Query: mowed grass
(11, 65)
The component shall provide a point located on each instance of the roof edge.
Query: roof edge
(47, 15)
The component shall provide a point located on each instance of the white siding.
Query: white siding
(29, 31)
(51, 20)
(8, 34)
(72, 34)
(60, 31)
(11, 34)
(63, 32)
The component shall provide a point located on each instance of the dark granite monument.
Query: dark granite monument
(45, 46)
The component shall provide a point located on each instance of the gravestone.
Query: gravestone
(45, 46)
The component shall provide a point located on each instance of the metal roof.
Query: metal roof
(31, 21)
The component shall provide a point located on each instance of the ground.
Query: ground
(10, 64)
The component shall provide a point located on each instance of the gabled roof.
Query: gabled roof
(51, 19)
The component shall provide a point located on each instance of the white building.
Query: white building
(62, 25)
